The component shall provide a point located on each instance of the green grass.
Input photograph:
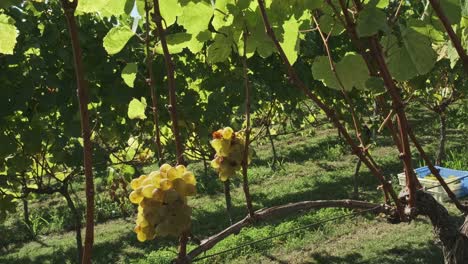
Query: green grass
(311, 168)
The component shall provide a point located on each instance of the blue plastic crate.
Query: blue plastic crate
(460, 189)
(445, 172)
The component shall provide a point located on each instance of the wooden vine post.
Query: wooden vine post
(69, 8)
(183, 240)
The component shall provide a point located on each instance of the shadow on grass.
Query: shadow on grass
(303, 151)
(402, 254)
(107, 252)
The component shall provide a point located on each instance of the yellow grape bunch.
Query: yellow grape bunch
(229, 147)
(162, 202)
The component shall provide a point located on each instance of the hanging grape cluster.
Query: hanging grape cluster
(229, 147)
(162, 199)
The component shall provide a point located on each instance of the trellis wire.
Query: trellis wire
(285, 233)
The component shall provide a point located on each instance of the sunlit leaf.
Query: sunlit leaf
(116, 39)
(129, 74)
(8, 34)
(136, 109)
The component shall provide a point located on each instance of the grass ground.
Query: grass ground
(312, 166)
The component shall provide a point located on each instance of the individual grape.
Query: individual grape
(216, 144)
(158, 195)
(180, 169)
(141, 221)
(180, 186)
(189, 178)
(136, 196)
(216, 162)
(165, 167)
(135, 183)
(165, 184)
(227, 133)
(149, 232)
(171, 196)
(154, 178)
(147, 190)
(172, 174)
(225, 172)
(141, 236)
(225, 148)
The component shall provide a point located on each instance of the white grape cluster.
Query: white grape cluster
(162, 202)
(229, 147)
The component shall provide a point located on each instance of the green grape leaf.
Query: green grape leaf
(90, 6)
(196, 43)
(219, 50)
(8, 34)
(321, 70)
(222, 16)
(116, 39)
(129, 74)
(175, 43)
(170, 9)
(414, 57)
(136, 109)
(127, 170)
(370, 21)
(452, 54)
(61, 175)
(114, 7)
(425, 28)
(351, 70)
(452, 10)
(329, 23)
(129, 6)
(375, 85)
(259, 41)
(195, 17)
(290, 43)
